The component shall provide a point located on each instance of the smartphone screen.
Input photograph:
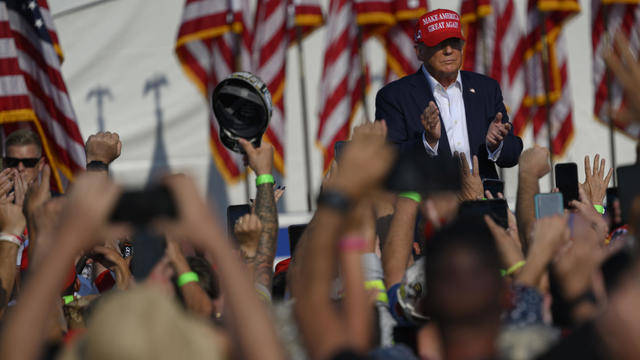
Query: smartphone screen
(295, 232)
(567, 182)
(494, 186)
(235, 212)
(628, 189)
(549, 204)
(139, 207)
(496, 208)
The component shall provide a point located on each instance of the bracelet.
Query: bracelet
(187, 277)
(264, 179)
(97, 166)
(513, 268)
(411, 195)
(14, 239)
(336, 200)
(68, 299)
(353, 243)
(599, 209)
(382, 290)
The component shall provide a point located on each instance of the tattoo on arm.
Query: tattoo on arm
(266, 252)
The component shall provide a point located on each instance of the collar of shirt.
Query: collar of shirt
(433, 83)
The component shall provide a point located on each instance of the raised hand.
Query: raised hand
(627, 71)
(535, 162)
(260, 159)
(430, 119)
(12, 219)
(471, 183)
(595, 182)
(247, 230)
(6, 184)
(365, 162)
(19, 187)
(497, 132)
(104, 147)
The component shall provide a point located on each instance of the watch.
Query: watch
(97, 165)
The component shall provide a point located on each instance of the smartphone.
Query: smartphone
(496, 208)
(235, 212)
(494, 186)
(139, 207)
(549, 204)
(567, 182)
(150, 247)
(414, 170)
(295, 232)
(628, 189)
(338, 147)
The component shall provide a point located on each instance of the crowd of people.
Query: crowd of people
(376, 274)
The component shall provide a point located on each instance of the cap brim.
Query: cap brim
(434, 40)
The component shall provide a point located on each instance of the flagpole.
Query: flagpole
(363, 74)
(547, 87)
(305, 119)
(608, 81)
(237, 64)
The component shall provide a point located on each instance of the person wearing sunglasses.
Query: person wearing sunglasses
(23, 152)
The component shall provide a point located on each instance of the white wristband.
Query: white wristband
(11, 238)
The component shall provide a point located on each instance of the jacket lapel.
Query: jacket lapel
(422, 95)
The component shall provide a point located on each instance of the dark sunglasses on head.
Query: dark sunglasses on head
(10, 162)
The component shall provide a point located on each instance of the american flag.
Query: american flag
(555, 14)
(495, 47)
(398, 41)
(32, 89)
(275, 22)
(214, 41)
(340, 88)
(375, 16)
(607, 19)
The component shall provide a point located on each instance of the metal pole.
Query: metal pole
(305, 120)
(363, 74)
(547, 82)
(609, 81)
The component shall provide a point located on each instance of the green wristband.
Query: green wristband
(513, 268)
(187, 277)
(68, 299)
(411, 195)
(264, 179)
(599, 208)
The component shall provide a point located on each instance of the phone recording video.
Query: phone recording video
(494, 186)
(496, 208)
(567, 182)
(139, 207)
(235, 212)
(628, 189)
(549, 204)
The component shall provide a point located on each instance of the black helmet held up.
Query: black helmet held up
(242, 106)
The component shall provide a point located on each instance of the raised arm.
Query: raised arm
(534, 164)
(261, 162)
(397, 249)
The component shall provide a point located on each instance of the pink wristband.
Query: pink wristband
(353, 243)
(18, 240)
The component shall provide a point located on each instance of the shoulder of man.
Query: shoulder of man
(402, 83)
(477, 79)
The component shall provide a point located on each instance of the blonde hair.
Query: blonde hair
(144, 323)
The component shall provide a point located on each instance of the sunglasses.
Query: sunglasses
(10, 162)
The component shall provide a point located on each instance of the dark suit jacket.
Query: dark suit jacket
(402, 102)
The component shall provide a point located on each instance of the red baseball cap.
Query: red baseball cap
(437, 26)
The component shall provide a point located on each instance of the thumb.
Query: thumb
(498, 118)
(248, 148)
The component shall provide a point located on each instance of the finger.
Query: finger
(555, 190)
(475, 165)
(465, 164)
(608, 178)
(603, 162)
(498, 119)
(246, 146)
(488, 194)
(508, 126)
(493, 227)
(587, 167)
(500, 195)
(596, 162)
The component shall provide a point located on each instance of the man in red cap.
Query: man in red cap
(445, 110)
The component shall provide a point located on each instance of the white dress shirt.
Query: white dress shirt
(451, 106)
